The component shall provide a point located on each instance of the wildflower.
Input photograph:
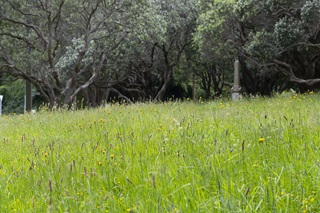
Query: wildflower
(312, 199)
(261, 140)
(112, 156)
(45, 154)
(100, 163)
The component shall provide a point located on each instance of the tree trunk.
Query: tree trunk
(161, 93)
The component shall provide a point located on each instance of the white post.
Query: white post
(236, 84)
(1, 97)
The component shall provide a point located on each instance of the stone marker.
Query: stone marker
(1, 97)
(236, 82)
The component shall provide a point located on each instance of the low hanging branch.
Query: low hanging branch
(287, 69)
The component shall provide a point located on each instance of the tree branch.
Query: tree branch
(287, 69)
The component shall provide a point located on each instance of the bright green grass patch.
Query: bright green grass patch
(257, 155)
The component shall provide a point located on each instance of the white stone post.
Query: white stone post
(1, 97)
(236, 82)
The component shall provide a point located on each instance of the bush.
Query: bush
(13, 96)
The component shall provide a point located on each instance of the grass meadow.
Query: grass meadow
(252, 155)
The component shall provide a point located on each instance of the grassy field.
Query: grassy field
(253, 155)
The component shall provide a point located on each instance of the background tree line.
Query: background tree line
(137, 50)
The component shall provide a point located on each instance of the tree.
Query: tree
(152, 51)
(215, 46)
(180, 17)
(61, 47)
(276, 42)
(288, 41)
(130, 73)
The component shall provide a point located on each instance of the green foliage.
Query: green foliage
(66, 63)
(267, 37)
(13, 96)
(310, 12)
(288, 31)
(212, 36)
(136, 48)
(261, 45)
(63, 46)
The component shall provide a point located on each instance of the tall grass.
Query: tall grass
(254, 155)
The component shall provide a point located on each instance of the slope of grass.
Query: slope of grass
(257, 155)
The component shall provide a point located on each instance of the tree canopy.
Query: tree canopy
(277, 42)
(150, 50)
